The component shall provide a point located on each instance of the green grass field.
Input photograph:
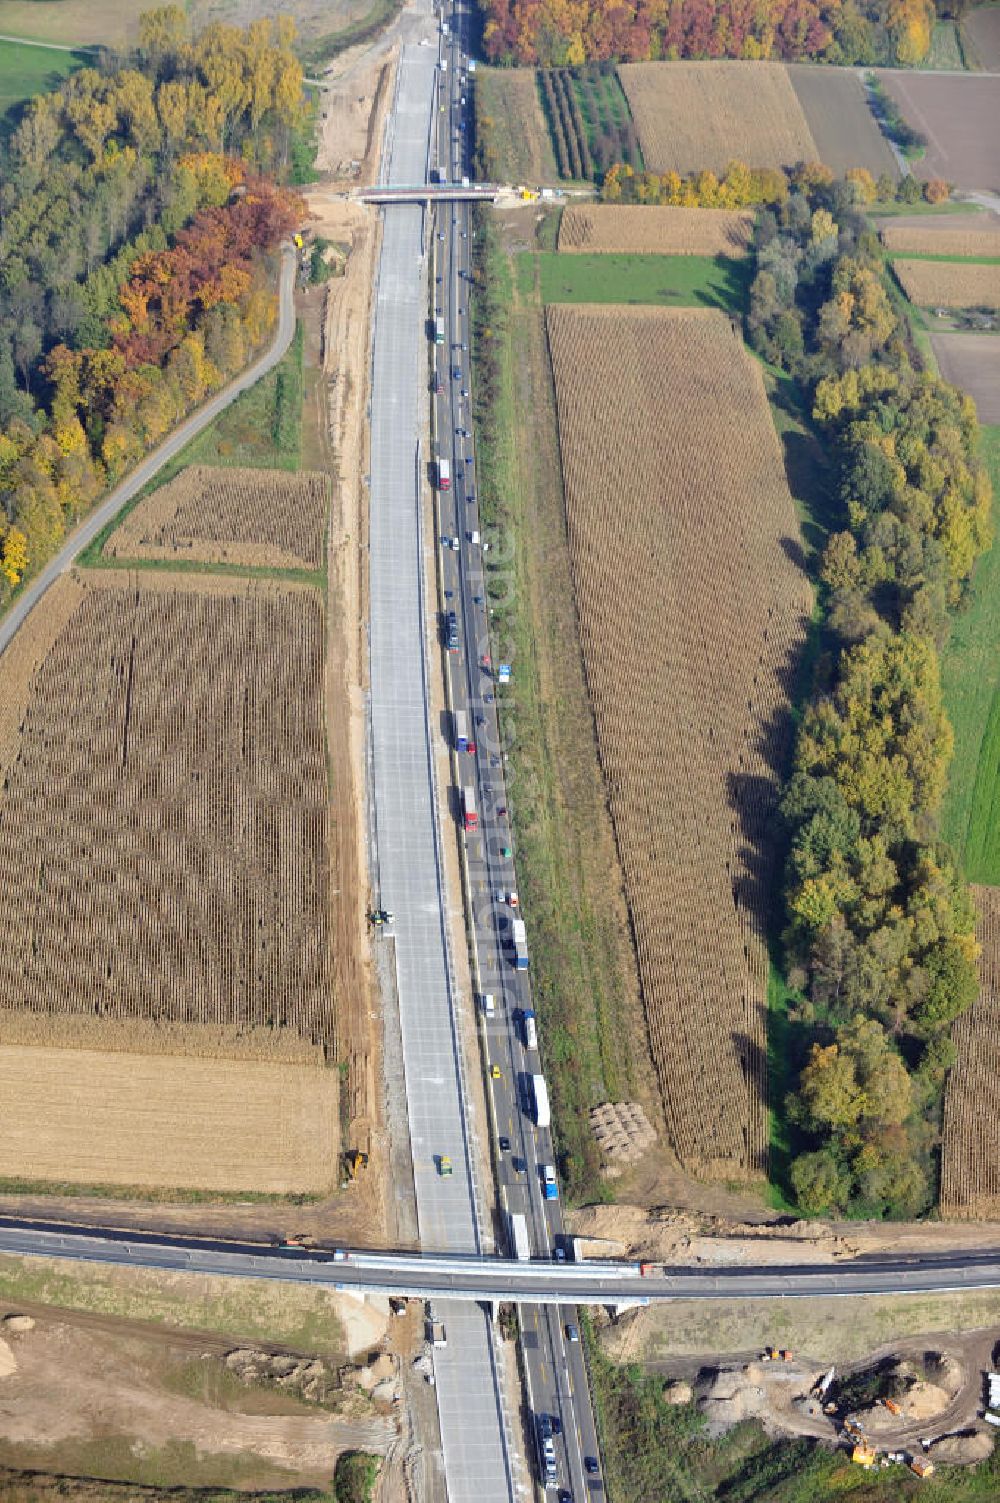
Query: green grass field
(970, 670)
(26, 71)
(675, 281)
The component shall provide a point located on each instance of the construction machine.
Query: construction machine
(354, 1161)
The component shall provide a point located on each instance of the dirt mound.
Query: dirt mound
(677, 1236)
(678, 1392)
(308, 1377)
(19, 1322)
(960, 1450)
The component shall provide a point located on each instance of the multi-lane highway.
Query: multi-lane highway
(554, 1365)
(407, 854)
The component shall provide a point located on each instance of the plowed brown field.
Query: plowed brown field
(692, 606)
(163, 813)
(949, 284)
(970, 1153)
(691, 116)
(661, 229)
(220, 516)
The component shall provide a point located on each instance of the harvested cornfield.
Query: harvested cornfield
(701, 115)
(662, 230)
(163, 806)
(161, 1121)
(255, 518)
(943, 238)
(949, 284)
(970, 1152)
(692, 607)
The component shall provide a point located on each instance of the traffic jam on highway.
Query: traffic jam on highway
(565, 1434)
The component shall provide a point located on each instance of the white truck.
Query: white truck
(540, 1101)
(517, 1226)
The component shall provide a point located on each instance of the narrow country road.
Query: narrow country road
(171, 446)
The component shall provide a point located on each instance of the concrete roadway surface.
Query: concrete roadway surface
(407, 870)
(133, 483)
(554, 1366)
(468, 1277)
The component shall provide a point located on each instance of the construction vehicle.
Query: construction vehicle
(355, 1159)
(379, 917)
(775, 1354)
(444, 1166)
(863, 1454)
(300, 1239)
(892, 1406)
(921, 1467)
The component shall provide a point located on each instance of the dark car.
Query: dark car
(505, 1145)
(451, 631)
(456, 373)
(565, 1496)
(556, 1424)
(590, 1466)
(436, 383)
(572, 1334)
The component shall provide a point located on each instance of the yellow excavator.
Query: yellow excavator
(354, 1162)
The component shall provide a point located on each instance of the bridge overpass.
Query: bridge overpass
(431, 193)
(459, 1276)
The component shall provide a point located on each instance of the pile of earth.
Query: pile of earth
(306, 1377)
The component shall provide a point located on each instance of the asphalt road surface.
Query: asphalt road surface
(554, 1366)
(469, 1278)
(474, 1427)
(189, 429)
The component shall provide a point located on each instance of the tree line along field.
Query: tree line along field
(164, 860)
(970, 1152)
(949, 284)
(674, 484)
(663, 229)
(254, 518)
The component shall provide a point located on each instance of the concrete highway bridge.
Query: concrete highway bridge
(431, 193)
(459, 1276)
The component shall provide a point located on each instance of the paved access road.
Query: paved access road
(408, 854)
(554, 1365)
(143, 474)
